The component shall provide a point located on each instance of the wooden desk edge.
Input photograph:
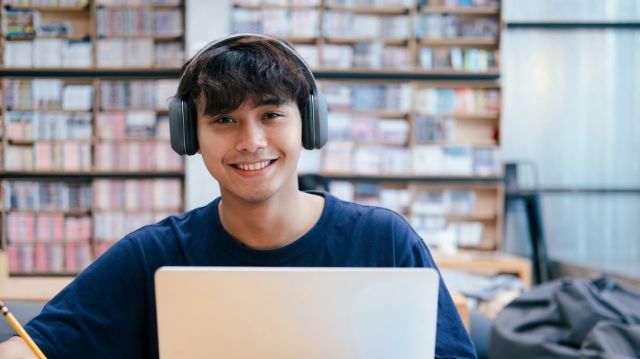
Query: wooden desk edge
(498, 263)
(462, 306)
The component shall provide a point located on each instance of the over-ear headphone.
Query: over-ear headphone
(183, 123)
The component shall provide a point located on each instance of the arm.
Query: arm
(15, 348)
(100, 314)
(452, 338)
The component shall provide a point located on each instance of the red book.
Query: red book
(58, 227)
(44, 229)
(70, 259)
(41, 258)
(14, 261)
(29, 226)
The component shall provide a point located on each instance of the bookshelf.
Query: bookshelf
(100, 34)
(436, 35)
(414, 106)
(85, 143)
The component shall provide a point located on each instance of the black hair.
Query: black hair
(249, 68)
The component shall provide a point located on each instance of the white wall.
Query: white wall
(206, 20)
(570, 10)
(570, 104)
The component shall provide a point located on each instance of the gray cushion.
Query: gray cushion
(23, 311)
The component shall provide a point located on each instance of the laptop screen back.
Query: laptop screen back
(236, 312)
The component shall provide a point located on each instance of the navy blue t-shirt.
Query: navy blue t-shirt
(109, 310)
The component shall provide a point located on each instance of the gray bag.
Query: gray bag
(570, 318)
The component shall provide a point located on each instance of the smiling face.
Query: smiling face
(246, 93)
(253, 150)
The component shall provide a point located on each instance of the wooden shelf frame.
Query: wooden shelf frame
(54, 8)
(364, 10)
(401, 74)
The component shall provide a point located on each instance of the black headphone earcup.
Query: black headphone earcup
(314, 122)
(306, 114)
(182, 130)
(321, 116)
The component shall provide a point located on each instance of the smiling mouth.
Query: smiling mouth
(253, 166)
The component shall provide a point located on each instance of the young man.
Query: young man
(248, 93)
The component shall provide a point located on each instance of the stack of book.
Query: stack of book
(122, 206)
(47, 127)
(129, 127)
(455, 160)
(168, 54)
(19, 23)
(281, 22)
(124, 53)
(431, 212)
(138, 22)
(50, 258)
(139, 36)
(138, 156)
(137, 2)
(364, 97)
(460, 3)
(47, 94)
(367, 36)
(48, 3)
(48, 226)
(371, 3)
(136, 94)
(367, 144)
(462, 100)
(436, 129)
(439, 26)
(35, 196)
(26, 41)
(469, 59)
(397, 198)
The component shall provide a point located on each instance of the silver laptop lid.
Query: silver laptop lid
(248, 313)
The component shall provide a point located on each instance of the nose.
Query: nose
(251, 137)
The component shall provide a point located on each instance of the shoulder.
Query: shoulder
(381, 229)
(369, 216)
(167, 242)
(173, 232)
(352, 209)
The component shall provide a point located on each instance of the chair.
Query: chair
(531, 199)
(23, 311)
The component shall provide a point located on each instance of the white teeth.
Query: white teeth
(253, 166)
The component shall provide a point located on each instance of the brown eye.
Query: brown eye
(223, 120)
(272, 115)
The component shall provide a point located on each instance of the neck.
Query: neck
(273, 223)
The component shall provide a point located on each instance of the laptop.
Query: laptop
(286, 313)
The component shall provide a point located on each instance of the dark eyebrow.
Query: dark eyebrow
(274, 101)
(271, 101)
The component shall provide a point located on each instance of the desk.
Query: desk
(28, 288)
(32, 289)
(487, 263)
(43, 289)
